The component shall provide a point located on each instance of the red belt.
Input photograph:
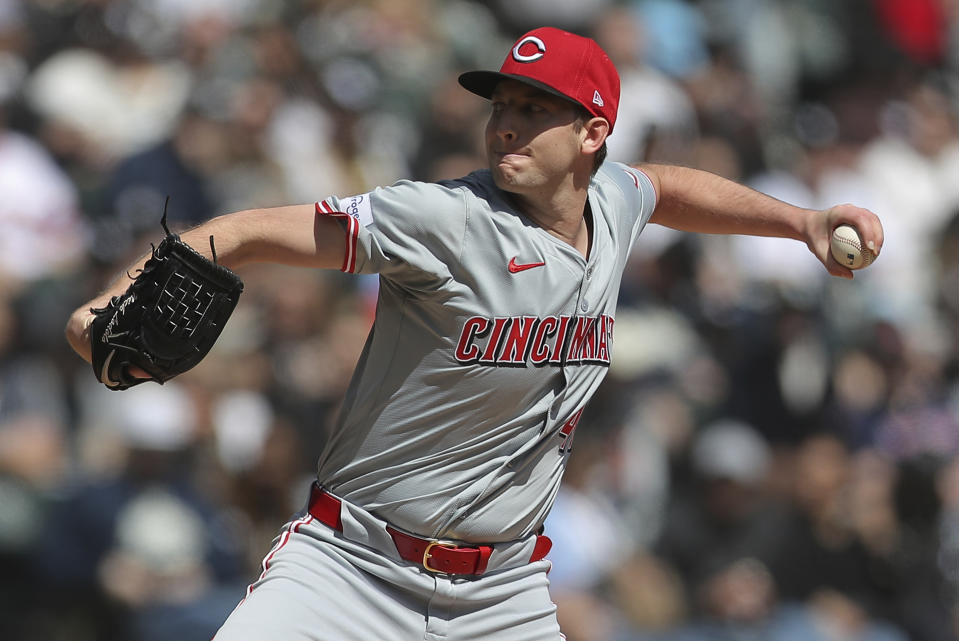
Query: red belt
(432, 554)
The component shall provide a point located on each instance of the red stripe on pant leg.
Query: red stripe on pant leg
(284, 539)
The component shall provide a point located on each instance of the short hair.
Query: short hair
(599, 158)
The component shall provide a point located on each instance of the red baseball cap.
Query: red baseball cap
(562, 63)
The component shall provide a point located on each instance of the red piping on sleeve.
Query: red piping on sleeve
(352, 234)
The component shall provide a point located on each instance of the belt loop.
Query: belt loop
(484, 553)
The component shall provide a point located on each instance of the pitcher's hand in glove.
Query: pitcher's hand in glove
(167, 320)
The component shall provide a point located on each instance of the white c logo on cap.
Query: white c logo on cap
(540, 49)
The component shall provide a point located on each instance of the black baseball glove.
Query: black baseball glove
(169, 317)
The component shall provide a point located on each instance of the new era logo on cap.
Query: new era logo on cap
(560, 62)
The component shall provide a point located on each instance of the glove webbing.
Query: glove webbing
(182, 305)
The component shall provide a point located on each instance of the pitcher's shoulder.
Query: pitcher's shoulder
(620, 175)
(479, 183)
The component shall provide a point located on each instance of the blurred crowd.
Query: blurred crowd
(775, 453)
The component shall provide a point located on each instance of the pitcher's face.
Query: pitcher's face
(532, 138)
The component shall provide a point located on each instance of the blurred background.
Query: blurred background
(775, 453)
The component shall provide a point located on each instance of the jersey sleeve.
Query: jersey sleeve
(409, 232)
(639, 195)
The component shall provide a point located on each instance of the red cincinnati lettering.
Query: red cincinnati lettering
(520, 339)
(517, 340)
(540, 351)
(583, 341)
(466, 351)
(557, 355)
(489, 354)
(605, 338)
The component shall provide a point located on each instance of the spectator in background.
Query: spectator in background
(911, 166)
(141, 548)
(571, 15)
(820, 550)
(910, 530)
(724, 520)
(675, 36)
(136, 190)
(918, 28)
(34, 461)
(261, 467)
(43, 232)
(108, 104)
(654, 106)
(452, 146)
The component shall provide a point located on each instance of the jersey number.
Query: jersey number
(566, 432)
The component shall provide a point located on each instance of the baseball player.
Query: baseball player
(494, 326)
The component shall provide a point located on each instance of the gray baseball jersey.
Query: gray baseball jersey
(490, 337)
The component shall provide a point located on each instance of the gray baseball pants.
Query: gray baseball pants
(321, 585)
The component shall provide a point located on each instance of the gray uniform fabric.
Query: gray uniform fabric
(452, 427)
(490, 337)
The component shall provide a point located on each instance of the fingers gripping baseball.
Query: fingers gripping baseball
(823, 225)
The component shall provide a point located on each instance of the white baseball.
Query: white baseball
(847, 248)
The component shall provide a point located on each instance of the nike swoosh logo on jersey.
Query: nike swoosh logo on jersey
(515, 268)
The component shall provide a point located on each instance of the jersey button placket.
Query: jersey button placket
(583, 304)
